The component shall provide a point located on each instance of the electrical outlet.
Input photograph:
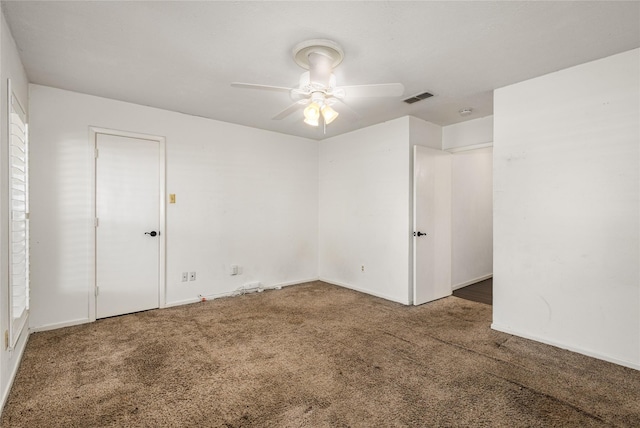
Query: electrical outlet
(185, 276)
(362, 268)
(192, 276)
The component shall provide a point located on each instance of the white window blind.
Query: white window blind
(18, 217)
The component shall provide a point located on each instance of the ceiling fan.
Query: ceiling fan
(317, 90)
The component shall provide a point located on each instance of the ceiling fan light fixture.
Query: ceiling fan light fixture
(328, 114)
(312, 122)
(312, 114)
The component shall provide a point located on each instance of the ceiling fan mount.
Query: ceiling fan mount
(324, 47)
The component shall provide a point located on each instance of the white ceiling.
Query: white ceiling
(182, 56)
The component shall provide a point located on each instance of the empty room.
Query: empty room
(319, 214)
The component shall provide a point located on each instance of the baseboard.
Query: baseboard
(575, 349)
(286, 284)
(363, 290)
(471, 281)
(12, 376)
(183, 302)
(236, 292)
(55, 326)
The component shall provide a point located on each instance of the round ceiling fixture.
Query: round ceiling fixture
(324, 47)
(465, 112)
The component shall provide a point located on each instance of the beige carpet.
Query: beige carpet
(312, 355)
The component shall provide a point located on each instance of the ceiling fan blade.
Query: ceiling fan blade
(286, 112)
(300, 93)
(370, 91)
(261, 87)
(349, 108)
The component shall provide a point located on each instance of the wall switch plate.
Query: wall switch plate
(192, 276)
(233, 270)
(172, 198)
(185, 276)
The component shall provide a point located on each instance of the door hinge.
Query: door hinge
(96, 153)
(97, 290)
(96, 222)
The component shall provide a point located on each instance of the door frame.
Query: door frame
(93, 135)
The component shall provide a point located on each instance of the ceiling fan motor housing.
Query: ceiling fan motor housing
(319, 69)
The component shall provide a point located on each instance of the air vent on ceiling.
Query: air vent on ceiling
(416, 98)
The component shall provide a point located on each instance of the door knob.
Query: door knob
(152, 233)
(418, 234)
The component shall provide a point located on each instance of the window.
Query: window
(18, 218)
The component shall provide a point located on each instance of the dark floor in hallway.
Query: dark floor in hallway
(479, 292)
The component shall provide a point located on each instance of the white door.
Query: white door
(431, 224)
(128, 220)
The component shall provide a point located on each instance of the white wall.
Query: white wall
(423, 133)
(10, 68)
(364, 220)
(244, 196)
(472, 217)
(472, 199)
(566, 209)
(470, 133)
